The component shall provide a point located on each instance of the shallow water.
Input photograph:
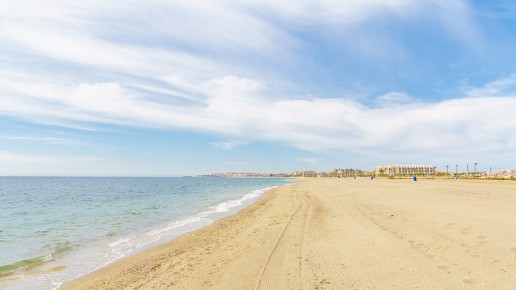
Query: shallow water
(53, 229)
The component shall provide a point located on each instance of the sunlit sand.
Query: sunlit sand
(342, 234)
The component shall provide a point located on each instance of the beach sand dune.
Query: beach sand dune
(341, 234)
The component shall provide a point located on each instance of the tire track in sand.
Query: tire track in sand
(276, 258)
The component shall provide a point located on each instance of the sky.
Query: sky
(187, 87)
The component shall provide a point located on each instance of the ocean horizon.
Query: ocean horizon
(58, 228)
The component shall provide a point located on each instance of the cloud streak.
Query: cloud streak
(226, 145)
(207, 66)
(39, 139)
(502, 87)
(234, 106)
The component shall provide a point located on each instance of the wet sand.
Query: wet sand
(341, 234)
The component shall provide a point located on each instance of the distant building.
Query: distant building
(405, 169)
(504, 173)
(247, 174)
(323, 174)
(350, 172)
(304, 173)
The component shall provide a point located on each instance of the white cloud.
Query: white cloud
(48, 140)
(327, 10)
(458, 18)
(198, 65)
(235, 106)
(501, 87)
(228, 144)
(153, 39)
(394, 98)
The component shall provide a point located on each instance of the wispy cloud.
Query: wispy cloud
(48, 140)
(165, 40)
(234, 106)
(394, 98)
(156, 65)
(502, 87)
(228, 144)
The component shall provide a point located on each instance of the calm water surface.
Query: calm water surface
(53, 229)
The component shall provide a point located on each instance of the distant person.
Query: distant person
(414, 178)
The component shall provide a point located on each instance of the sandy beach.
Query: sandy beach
(341, 234)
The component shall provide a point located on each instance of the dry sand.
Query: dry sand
(342, 234)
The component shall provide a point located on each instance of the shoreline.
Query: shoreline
(340, 234)
(183, 239)
(55, 272)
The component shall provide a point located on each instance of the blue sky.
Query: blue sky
(168, 88)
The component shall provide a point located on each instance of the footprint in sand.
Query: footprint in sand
(481, 240)
(470, 281)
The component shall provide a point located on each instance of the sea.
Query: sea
(56, 229)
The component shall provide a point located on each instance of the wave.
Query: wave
(25, 266)
(126, 245)
(49, 272)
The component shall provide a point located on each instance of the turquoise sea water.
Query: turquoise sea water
(54, 229)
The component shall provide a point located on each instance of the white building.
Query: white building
(405, 169)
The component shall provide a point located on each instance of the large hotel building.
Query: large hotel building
(405, 169)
